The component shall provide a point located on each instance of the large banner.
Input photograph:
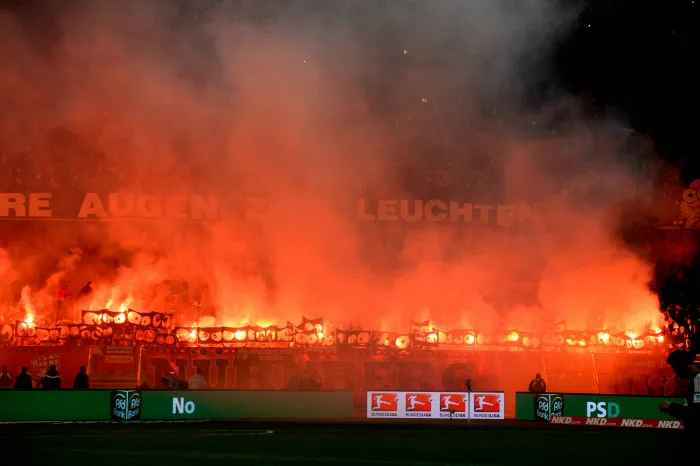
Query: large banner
(435, 405)
(440, 211)
(69, 206)
(197, 207)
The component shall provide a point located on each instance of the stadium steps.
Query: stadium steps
(114, 381)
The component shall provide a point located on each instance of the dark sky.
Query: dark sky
(641, 58)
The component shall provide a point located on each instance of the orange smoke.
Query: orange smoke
(278, 114)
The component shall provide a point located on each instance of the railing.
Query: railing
(544, 367)
(596, 381)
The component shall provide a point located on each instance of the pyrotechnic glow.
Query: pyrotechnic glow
(29, 319)
(278, 239)
(402, 342)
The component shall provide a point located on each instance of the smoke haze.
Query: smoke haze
(311, 105)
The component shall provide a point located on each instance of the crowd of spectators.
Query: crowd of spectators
(52, 380)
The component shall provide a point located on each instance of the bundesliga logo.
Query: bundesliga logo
(487, 406)
(384, 404)
(419, 404)
(453, 405)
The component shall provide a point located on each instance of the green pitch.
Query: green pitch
(350, 443)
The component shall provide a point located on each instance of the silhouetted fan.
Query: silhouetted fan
(678, 288)
(6, 333)
(85, 291)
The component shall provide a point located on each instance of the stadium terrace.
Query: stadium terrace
(129, 327)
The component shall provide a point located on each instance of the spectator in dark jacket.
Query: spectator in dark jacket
(52, 379)
(85, 292)
(23, 380)
(81, 381)
(683, 364)
(537, 385)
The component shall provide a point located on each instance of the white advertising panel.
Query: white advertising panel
(485, 405)
(434, 405)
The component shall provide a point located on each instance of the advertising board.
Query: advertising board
(616, 422)
(548, 405)
(229, 404)
(593, 409)
(54, 405)
(484, 405)
(435, 405)
(126, 405)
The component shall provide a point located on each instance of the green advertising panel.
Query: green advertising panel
(230, 404)
(54, 405)
(531, 406)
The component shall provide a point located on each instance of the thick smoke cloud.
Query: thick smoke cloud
(311, 105)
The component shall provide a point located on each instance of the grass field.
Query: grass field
(350, 443)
